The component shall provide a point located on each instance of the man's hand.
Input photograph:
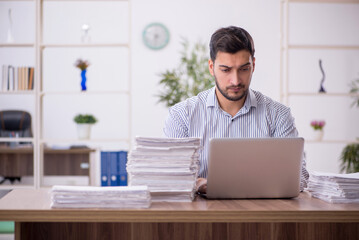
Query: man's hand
(201, 185)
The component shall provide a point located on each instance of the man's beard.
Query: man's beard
(235, 98)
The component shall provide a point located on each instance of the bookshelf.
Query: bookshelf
(301, 49)
(110, 38)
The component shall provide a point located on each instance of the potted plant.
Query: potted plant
(84, 123)
(189, 78)
(350, 154)
(318, 126)
(350, 158)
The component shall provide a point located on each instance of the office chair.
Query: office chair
(15, 122)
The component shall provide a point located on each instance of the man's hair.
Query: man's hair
(230, 40)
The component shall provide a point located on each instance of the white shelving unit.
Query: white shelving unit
(286, 47)
(39, 45)
(289, 45)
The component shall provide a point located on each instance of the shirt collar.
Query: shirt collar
(212, 100)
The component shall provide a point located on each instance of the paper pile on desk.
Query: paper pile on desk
(100, 197)
(168, 166)
(335, 188)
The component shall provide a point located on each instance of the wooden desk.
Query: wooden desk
(299, 218)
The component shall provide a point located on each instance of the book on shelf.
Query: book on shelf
(31, 78)
(113, 168)
(11, 78)
(4, 79)
(17, 78)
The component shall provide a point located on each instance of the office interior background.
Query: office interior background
(123, 79)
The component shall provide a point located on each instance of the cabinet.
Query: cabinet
(46, 40)
(325, 30)
(18, 163)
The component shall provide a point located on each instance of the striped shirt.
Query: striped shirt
(202, 117)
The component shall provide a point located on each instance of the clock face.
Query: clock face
(156, 36)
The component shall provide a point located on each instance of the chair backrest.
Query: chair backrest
(15, 123)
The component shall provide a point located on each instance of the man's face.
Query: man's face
(233, 73)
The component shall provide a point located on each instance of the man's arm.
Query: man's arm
(285, 127)
(175, 126)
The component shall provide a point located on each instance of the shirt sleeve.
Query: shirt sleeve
(175, 126)
(284, 125)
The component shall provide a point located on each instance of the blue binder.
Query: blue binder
(104, 175)
(113, 169)
(122, 172)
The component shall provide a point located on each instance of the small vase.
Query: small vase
(10, 36)
(83, 80)
(318, 135)
(83, 130)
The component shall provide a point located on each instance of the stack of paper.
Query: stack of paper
(335, 188)
(100, 197)
(168, 166)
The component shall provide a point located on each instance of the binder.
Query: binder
(113, 168)
(104, 175)
(122, 172)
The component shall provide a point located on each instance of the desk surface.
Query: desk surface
(34, 205)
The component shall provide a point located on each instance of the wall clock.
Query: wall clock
(156, 36)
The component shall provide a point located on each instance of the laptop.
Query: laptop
(254, 167)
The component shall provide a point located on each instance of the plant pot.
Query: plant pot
(84, 130)
(318, 135)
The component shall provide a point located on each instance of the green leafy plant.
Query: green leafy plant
(85, 118)
(350, 154)
(354, 89)
(189, 78)
(350, 158)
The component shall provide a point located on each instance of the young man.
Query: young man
(231, 108)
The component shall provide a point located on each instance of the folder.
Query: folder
(113, 168)
(122, 172)
(104, 175)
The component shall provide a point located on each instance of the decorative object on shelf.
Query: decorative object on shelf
(156, 36)
(350, 158)
(84, 123)
(321, 89)
(318, 129)
(82, 64)
(85, 38)
(10, 37)
(189, 78)
(354, 89)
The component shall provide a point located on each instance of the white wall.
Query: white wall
(196, 21)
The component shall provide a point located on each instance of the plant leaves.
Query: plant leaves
(350, 158)
(189, 78)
